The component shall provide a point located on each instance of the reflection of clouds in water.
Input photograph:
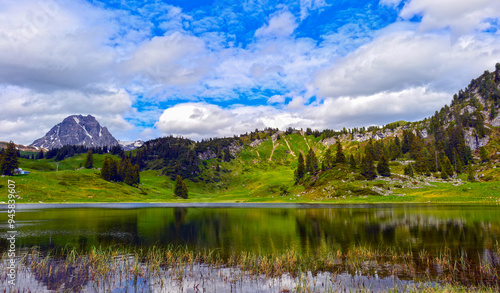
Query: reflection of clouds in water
(203, 277)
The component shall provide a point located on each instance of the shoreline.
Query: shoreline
(304, 205)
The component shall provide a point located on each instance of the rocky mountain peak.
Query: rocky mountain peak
(77, 130)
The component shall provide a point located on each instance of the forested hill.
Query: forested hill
(454, 133)
(445, 145)
(406, 161)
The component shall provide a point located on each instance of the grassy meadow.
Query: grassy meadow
(263, 173)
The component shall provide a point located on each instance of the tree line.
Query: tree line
(120, 171)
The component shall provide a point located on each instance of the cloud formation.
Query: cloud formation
(280, 25)
(402, 59)
(147, 69)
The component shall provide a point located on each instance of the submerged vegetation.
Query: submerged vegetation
(361, 269)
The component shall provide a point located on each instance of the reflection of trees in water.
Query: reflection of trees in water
(344, 228)
(58, 275)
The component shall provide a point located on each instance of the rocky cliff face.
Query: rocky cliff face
(77, 130)
(130, 145)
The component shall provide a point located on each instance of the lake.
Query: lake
(231, 229)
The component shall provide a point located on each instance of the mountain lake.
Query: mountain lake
(252, 247)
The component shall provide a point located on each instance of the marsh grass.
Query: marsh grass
(108, 268)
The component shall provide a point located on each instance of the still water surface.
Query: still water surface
(259, 228)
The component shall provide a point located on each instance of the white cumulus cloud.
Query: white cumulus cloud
(281, 25)
(404, 59)
(460, 16)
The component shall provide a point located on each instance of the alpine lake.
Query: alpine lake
(253, 248)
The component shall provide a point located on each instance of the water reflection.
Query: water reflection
(459, 228)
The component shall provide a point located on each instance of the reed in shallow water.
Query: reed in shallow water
(107, 268)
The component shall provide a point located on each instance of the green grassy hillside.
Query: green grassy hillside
(264, 173)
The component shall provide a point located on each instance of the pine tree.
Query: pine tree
(128, 172)
(444, 175)
(227, 155)
(10, 160)
(483, 154)
(40, 155)
(180, 189)
(339, 156)
(113, 170)
(89, 162)
(408, 170)
(367, 167)
(470, 173)
(178, 186)
(328, 159)
(299, 173)
(457, 161)
(184, 190)
(219, 152)
(383, 167)
(106, 170)
(446, 166)
(352, 162)
(311, 162)
(137, 174)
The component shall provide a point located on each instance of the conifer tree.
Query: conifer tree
(328, 159)
(128, 172)
(113, 170)
(446, 167)
(352, 162)
(40, 155)
(408, 170)
(311, 162)
(339, 156)
(227, 155)
(427, 172)
(10, 160)
(367, 167)
(444, 175)
(137, 174)
(299, 173)
(383, 167)
(180, 189)
(106, 170)
(184, 192)
(219, 152)
(470, 173)
(483, 154)
(1, 157)
(457, 162)
(397, 142)
(89, 162)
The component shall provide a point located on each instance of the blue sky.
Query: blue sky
(217, 68)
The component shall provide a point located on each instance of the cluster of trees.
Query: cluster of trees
(120, 171)
(311, 163)
(67, 151)
(32, 156)
(173, 155)
(446, 152)
(9, 159)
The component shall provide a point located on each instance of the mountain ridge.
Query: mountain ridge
(76, 130)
